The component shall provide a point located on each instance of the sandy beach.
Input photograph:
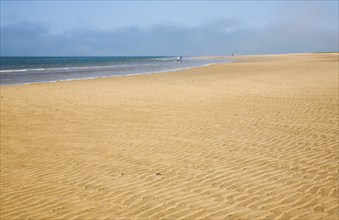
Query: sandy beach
(253, 139)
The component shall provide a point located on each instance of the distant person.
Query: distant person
(179, 59)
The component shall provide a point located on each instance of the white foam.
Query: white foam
(63, 68)
(165, 59)
(10, 71)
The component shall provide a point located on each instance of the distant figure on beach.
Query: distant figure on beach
(179, 59)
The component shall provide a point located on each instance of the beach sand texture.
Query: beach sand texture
(256, 139)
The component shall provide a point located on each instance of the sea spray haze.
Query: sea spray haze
(144, 28)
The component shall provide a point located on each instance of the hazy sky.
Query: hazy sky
(63, 28)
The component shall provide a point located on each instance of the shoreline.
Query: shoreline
(98, 76)
(254, 139)
(113, 76)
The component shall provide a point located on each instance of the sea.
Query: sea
(27, 70)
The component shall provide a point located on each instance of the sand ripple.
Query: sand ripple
(249, 140)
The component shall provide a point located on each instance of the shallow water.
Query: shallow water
(25, 70)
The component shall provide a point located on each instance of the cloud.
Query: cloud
(218, 37)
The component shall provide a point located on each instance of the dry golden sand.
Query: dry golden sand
(256, 139)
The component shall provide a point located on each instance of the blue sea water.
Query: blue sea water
(25, 70)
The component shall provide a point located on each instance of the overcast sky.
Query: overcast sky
(140, 28)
